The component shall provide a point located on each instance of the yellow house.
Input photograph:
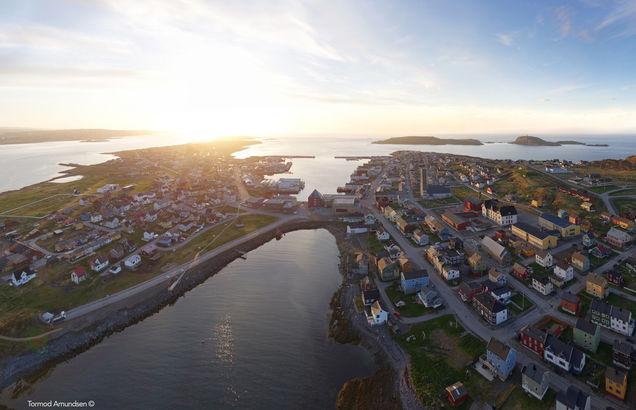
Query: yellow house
(616, 382)
(535, 237)
(596, 285)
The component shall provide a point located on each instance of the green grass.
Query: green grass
(622, 302)
(625, 204)
(434, 203)
(602, 189)
(630, 191)
(462, 193)
(520, 400)
(412, 308)
(434, 362)
(524, 303)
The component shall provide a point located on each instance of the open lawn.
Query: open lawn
(439, 355)
(412, 308)
(521, 400)
(462, 193)
(522, 302)
(602, 189)
(435, 203)
(374, 245)
(625, 204)
(622, 302)
(630, 191)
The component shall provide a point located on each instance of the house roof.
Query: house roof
(371, 294)
(620, 235)
(498, 348)
(578, 256)
(563, 265)
(503, 210)
(18, 273)
(468, 287)
(534, 373)
(569, 297)
(376, 308)
(533, 231)
(315, 195)
(601, 307)
(494, 247)
(560, 222)
(596, 279)
(586, 326)
(457, 390)
(544, 280)
(623, 347)
(519, 267)
(573, 398)
(559, 348)
(79, 271)
(490, 303)
(437, 189)
(615, 375)
(415, 274)
(534, 333)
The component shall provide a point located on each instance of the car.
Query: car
(115, 269)
(397, 314)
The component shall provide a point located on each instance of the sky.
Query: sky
(283, 67)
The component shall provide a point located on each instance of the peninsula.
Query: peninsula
(415, 140)
(540, 142)
(22, 136)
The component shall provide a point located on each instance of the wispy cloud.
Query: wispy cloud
(564, 20)
(624, 16)
(567, 88)
(505, 39)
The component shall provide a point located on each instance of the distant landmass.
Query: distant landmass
(20, 136)
(628, 163)
(540, 142)
(429, 141)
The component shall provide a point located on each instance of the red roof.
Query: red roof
(79, 271)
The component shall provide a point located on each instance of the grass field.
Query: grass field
(439, 355)
(625, 204)
(629, 191)
(602, 189)
(462, 193)
(524, 303)
(412, 308)
(434, 203)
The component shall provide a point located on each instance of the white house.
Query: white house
(112, 224)
(79, 275)
(420, 237)
(382, 235)
(564, 271)
(22, 276)
(544, 258)
(378, 315)
(535, 380)
(149, 236)
(450, 272)
(96, 218)
(99, 263)
(132, 262)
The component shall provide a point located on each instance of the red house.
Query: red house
(615, 277)
(521, 271)
(457, 393)
(575, 219)
(533, 339)
(455, 221)
(315, 200)
(571, 303)
(472, 204)
(469, 289)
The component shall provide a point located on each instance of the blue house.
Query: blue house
(413, 281)
(501, 357)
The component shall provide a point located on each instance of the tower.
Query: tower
(423, 181)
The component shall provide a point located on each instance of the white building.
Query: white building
(22, 276)
(544, 258)
(378, 315)
(132, 262)
(564, 271)
(450, 272)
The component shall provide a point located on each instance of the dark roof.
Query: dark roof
(534, 373)
(501, 290)
(534, 333)
(437, 189)
(415, 274)
(315, 194)
(573, 397)
(468, 287)
(601, 307)
(498, 348)
(568, 296)
(561, 222)
(18, 273)
(585, 326)
(490, 302)
(373, 294)
(504, 210)
(623, 347)
(544, 280)
(621, 314)
(534, 231)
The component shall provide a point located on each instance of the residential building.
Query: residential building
(535, 237)
(623, 354)
(315, 200)
(456, 221)
(413, 281)
(22, 276)
(378, 315)
(496, 250)
(429, 298)
(616, 382)
(477, 263)
(99, 263)
(618, 238)
(588, 240)
(450, 272)
(360, 263)
(571, 303)
(564, 271)
(493, 311)
(573, 399)
(467, 290)
(369, 296)
(544, 258)
(501, 357)
(472, 204)
(497, 277)
(420, 237)
(580, 261)
(521, 271)
(501, 214)
(366, 284)
(79, 275)
(132, 262)
(586, 335)
(387, 269)
(563, 355)
(615, 277)
(535, 380)
(601, 251)
(457, 393)
(542, 284)
(533, 338)
(381, 234)
(596, 285)
(565, 228)
(438, 191)
(612, 317)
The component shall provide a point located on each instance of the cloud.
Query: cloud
(505, 39)
(567, 88)
(624, 15)
(544, 100)
(564, 21)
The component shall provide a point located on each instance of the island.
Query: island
(30, 136)
(540, 142)
(415, 140)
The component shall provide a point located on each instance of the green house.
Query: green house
(587, 335)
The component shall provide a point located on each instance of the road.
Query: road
(471, 322)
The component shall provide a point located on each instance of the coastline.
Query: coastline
(90, 331)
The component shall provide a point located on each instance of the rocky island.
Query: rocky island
(415, 140)
(540, 142)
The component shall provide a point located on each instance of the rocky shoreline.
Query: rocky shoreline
(376, 391)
